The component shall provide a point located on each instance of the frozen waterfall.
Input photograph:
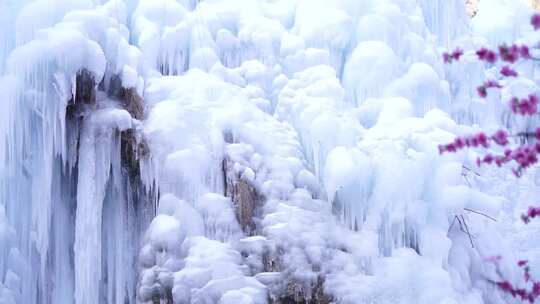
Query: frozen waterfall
(251, 152)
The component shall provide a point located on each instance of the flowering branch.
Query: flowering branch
(524, 294)
(525, 155)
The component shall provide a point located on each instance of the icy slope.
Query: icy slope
(356, 109)
(286, 152)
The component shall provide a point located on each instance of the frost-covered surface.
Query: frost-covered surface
(53, 198)
(293, 143)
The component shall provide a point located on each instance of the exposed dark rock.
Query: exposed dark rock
(296, 294)
(246, 199)
(270, 262)
(132, 149)
(132, 102)
(84, 98)
(133, 146)
(85, 91)
(128, 97)
(247, 203)
(289, 292)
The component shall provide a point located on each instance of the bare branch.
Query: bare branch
(480, 213)
(468, 232)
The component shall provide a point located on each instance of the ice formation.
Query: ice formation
(228, 151)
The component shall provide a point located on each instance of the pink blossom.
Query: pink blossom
(482, 91)
(477, 140)
(533, 99)
(487, 55)
(536, 289)
(509, 54)
(482, 140)
(522, 263)
(488, 159)
(500, 137)
(525, 106)
(508, 72)
(450, 57)
(532, 212)
(524, 52)
(446, 57)
(456, 55)
(460, 143)
(523, 156)
(490, 84)
(505, 286)
(535, 21)
(522, 293)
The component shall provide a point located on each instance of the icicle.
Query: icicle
(95, 153)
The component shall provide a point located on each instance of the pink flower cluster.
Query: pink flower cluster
(453, 56)
(507, 53)
(525, 106)
(507, 71)
(474, 141)
(531, 213)
(487, 55)
(514, 52)
(478, 140)
(500, 138)
(524, 156)
(535, 22)
(522, 293)
(490, 84)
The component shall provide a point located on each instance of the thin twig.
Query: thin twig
(468, 233)
(470, 170)
(466, 177)
(480, 213)
(451, 225)
(460, 224)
